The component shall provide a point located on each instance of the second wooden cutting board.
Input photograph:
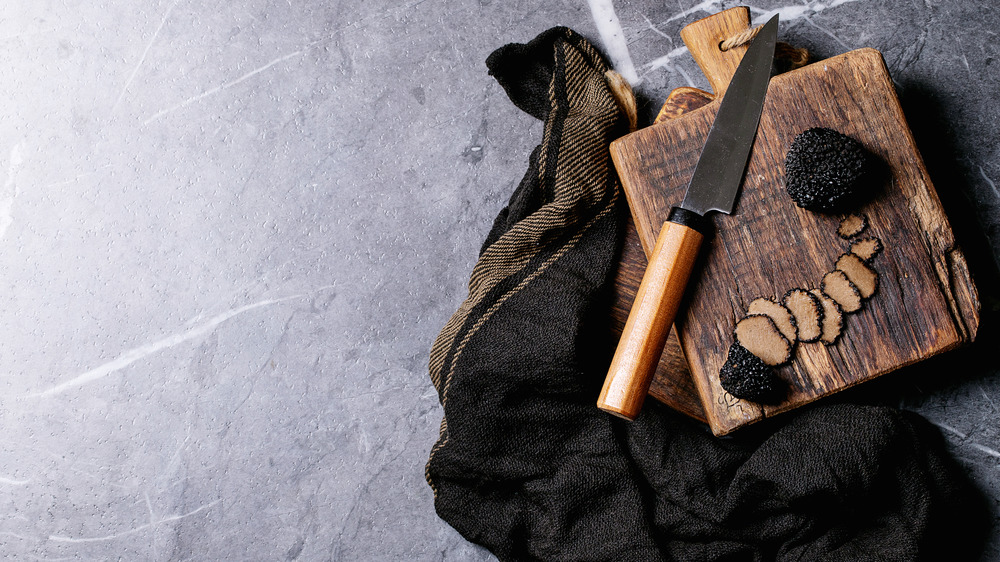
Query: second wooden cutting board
(926, 302)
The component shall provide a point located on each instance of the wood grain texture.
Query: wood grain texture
(703, 38)
(650, 320)
(681, 101)
(926, 302)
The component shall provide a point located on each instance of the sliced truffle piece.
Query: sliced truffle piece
(759, 335)
(827, 171)
(808, 313)
(863, 277)
(839, 288)
(867, 248)
(781, 316)
(851, 226)
(833, 318)
(745, 376)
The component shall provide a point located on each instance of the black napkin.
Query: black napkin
(528, 467)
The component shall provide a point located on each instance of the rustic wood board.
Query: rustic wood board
(926, 303)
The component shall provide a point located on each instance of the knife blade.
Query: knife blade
(714, 187)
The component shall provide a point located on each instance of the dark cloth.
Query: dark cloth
(528, 467)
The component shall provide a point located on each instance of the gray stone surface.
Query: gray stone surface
(229, 233)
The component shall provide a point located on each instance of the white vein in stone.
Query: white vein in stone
(965, 60)
(613, 38)
(9, 192)
(667, 61)
(989, 181)
(987, 397)
(652, 27)
(135, 354)
(142, 58)
(983, 448)
(218, 89)
(59, 538)
(707, 6)
(786, 14)
(979, 447)
(794, 12)
(8, 481)
(829, 33)
(950, 429)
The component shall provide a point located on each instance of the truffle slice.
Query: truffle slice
(760, 336)
(827, 171)
(851, 226)
(867, 248)
(839, 288)
(833, 318)
(781, 316)
(863, 277)
(808, 313)
(745, 376)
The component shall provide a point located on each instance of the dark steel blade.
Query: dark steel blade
(719, 172)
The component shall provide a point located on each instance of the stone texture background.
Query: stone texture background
(229, 233)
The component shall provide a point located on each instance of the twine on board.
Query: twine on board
(793, 56)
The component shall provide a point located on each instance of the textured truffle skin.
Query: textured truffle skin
(745, 376)
(827, 171)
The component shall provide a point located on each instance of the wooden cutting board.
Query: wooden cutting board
(926, 302)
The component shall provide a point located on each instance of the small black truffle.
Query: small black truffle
(745, 376)
(851, 226)
(827, 171)
(867, 248)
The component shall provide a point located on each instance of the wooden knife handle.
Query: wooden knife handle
(703, 38)
(652, 314)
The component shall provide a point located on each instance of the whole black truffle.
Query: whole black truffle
(745, 376)
(827, 171)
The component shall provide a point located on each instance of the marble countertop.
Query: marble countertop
(229, 233)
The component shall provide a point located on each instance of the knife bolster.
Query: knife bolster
(691, 220)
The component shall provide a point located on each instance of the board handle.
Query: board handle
(704, 37)
(653, 311)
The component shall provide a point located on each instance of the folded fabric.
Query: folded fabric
(528, 467)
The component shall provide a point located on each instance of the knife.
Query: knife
(714, 187)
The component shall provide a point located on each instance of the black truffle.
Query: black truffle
(827, 171)
(760, 335)
(863, 277)
(808, 312)
(745, 376)
(851, 226)
(867, 248)
(833, 317)
(839, 287)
